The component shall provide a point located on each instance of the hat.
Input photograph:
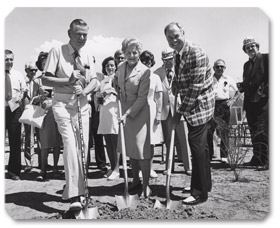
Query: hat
(30, 65)
(249, 40)
(167, 54)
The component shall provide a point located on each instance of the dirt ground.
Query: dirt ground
(247, 199)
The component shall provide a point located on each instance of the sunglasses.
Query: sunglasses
(223, 67)
(33, 70)
(249, 47)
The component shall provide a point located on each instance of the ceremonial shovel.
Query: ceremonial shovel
(126, 200)
(169, 203)
(87, 212)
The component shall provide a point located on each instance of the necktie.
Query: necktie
(169, 76)
(8, 84)
(177, 64)
(78, 66)
(78, 63)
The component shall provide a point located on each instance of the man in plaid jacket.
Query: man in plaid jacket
(194, 85)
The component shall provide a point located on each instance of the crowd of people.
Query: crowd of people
(147, 98)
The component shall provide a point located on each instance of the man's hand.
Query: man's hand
(74, 77)
(230, 102)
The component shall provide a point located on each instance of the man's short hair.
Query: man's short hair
(219, 60)
(171, 24)
(77, 22)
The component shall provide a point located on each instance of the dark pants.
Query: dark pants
(220, 123)
(257, 117)
(27, 151)
(201, 174)
(14, 134)
(100, 157)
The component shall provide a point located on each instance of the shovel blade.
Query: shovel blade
(160, 205)
(87, 213)
(131, 201)
(170, 205)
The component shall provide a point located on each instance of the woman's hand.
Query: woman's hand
(78, 89)
(123, 119)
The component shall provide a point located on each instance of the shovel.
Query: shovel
(87, 212)
(169, 203)
(126, 200)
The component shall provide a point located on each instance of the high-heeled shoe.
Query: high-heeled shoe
(147, 193)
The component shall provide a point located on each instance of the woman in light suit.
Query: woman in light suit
(133, 82)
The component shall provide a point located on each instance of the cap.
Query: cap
(30, 65)
(167, 54)
(249, 40)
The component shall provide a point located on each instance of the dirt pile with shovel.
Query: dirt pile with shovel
(246, 199)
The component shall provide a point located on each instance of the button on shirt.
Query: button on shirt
(18, 84)
(61, 63)
(224, 88)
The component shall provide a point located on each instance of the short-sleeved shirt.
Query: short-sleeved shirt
(224, 88)
(17, 82)
(155, 86)
(60, 63)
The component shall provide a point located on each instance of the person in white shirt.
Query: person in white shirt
(15, 87)
(226, 94)
(71, 71)
(33, 89)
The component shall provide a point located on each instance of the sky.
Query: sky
(220, 31)
(218, 26)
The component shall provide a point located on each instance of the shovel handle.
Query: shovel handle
(123, 151)
(170, 157)
(82, 145)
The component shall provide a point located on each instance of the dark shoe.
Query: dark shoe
(103, 169)
(186, 190)
(194, 200)
(75, 204)
(13, 176)
(27, 169)
(41, 177)
(188, 172)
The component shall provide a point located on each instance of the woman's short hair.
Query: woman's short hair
(41, 57)
(132, 41)
(147, 56)
(104, 63)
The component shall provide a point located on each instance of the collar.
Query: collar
(72, 50)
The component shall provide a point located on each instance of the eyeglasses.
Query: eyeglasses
(120, 58)
(33, 70)
(223, 67)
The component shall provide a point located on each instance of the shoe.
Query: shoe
(224, 160)
(153, 174)
(133, 187)
(147, 194)
(194, 200)
(165, 173)
(113, 176)
(27, 169)
(188, 172)
(109, 172)
(75, 204)
(41, 177)
(103, 169)
(186, 190)
(13, 176)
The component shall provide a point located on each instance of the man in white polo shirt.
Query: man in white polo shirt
(224, 86)
(70, 70)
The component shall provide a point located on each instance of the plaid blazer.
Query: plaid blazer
(194, 83)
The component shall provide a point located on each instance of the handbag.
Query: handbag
(33, 115)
